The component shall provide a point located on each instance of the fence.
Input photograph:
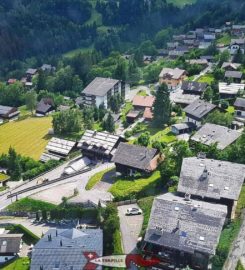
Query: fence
(47, 183)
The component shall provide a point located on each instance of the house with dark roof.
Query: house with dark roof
(132, 116)
(172, 77)
(234, 76)
(197, 111)
(30, 73)
(67, 249)
(44, 107)
(47, 68)
(99, 145)
(10, 246)
(212, 180)
(130, 159)
(100, 90)
(183, 128)
(193, 88)
(239, 106)
(183, 232)
(210, 134)
(228, 66)
(8, 113)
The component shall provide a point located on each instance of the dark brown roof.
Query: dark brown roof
(136, 156)
(240, 102)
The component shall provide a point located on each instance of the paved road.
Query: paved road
(130, 227)
(237, 251)
(80, 180)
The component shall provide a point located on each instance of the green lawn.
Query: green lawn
(3, 177)
(129, 188)
(126, 108)
(18, 264)
(24, 111)
(145, 205)
(72, 53)
(181, 3)
(142, 93)
(29, 137)
(208, 78)
(241, 201)
(30, 205)
(231, 109)
(225, 39)
(96, 178)
(162, 135)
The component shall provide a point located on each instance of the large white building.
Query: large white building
(100, 90)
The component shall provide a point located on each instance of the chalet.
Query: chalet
(230, 90)
(30, 73)
(178, 97)
(8, 113)
(10, 246)
(148, 114)
(173, 54)
(162, 52)
(47, 68)
(204, 45)
(188, 236)
(209, 37)
(57, 149)
(179, 37)
(132, 116)
(67, 249)
(228, 66)
(191, 43)
(239, 106)
(130, 159)
(172, 77)
(212, 180)
(199, 33)
(197, 111)
(63, 108)
(183, 128)
(210, 134)
(236, 45)
(11, 81)
(100, 90)
(235, 76)
(209, 58)
(172, 45)
(193, 88)
(201, 62)
(99, 145)
(44, 107)
(238, 30)
(147, 59)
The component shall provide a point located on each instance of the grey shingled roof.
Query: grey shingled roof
(194, 86)
(199, 108)
(240, 102)
(135, 156)
(187, 226)
(10, 243)
(211, 133)
(211, 178)
(233, 74)
(5, 109)
(100, 86)
(182, 126)
(51, 255)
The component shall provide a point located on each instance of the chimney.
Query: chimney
(61, 244)
(204, 175)
(187, 197)
(56, 233)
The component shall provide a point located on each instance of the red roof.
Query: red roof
(11, 81)
(142, 101)
(148, 114)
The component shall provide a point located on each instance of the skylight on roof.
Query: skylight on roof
(201, 238)
(176, 208)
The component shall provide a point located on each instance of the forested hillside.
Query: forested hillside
(49, 28)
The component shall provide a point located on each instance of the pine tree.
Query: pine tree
(41, 80)
(162, 107)
(108, 124)
(31, 100)
(14, 167)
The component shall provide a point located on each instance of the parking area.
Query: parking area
(130, 228)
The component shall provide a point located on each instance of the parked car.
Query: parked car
(133, 211)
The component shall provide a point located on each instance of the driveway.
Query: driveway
(130, 227)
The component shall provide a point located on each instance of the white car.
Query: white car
(133, 211)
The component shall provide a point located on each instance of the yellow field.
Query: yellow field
(28, 137)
